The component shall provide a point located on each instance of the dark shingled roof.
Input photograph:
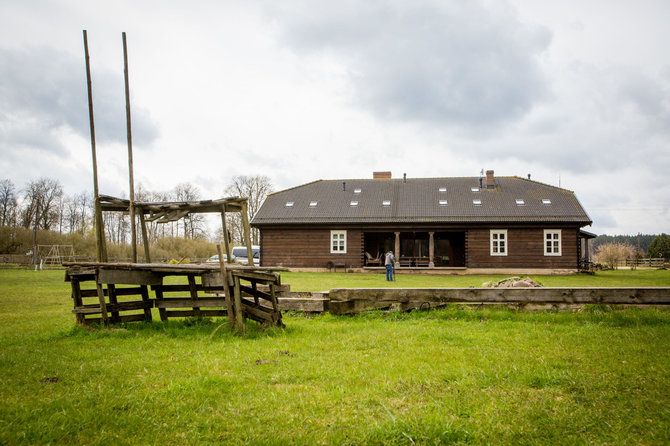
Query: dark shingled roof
(418, 201)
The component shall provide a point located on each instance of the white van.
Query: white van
(240, 254)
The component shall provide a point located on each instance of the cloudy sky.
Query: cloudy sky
(576, 92)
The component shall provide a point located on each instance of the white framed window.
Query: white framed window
(289, 204)
(443, 202)
(552, 242)
(546, 202)
(313, 204)
(357, 191)
(353, 203)
(386, 203)
(499, 242)
(338, 242)
(477, 202)
(442, 189)
(520, 202)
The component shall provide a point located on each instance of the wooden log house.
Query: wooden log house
(451, 225)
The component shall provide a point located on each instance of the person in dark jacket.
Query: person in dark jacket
(389, 262)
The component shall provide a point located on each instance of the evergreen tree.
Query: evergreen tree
(660, 247)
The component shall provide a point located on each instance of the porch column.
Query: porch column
(431, 249)
(397, 250)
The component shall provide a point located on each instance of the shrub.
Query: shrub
(612, 254)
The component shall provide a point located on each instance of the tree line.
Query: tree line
(41, 205)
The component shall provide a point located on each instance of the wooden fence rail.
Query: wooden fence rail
(649, 262)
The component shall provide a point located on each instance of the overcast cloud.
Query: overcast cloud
(302, 90)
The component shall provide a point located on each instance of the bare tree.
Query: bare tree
(42, 201)
(194, 224)
(8, 203)
(255, 189)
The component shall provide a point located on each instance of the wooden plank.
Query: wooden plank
(128, 277)
(77, 298)
(239, 316)
(132, 317)
(145, 238)
(185, 302)
(145, 298)
(224, 274)
(113, 301)
(191, 313)
(250, 292)
(121, 306)
(258, 276)
(103, 304)
(312, 305)
(158, 291)
(247, 233)
(194, 292)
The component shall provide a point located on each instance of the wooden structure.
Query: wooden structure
(124, 292)
(469, 224)
(356, 300)
(55, 255)
(165, 212)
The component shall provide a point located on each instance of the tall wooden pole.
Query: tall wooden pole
(131, 207)
(247, 233)
(224, 228)
(99, 228)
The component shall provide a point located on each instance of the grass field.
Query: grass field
(327, 281)
(451, 376)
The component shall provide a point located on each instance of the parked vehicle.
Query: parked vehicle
(240, 254)
(215, 258)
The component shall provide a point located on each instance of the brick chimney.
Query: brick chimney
(381, 175)
(490, 180)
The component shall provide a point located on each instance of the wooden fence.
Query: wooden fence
(659, 262)
(112, 293)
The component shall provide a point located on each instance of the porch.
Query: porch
(415, 250)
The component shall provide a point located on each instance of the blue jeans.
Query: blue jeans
(389, 272)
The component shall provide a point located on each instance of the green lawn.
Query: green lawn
(327, 281)
(450, 376)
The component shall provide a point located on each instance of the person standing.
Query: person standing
(389, 262)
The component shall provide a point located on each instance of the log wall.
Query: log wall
(308, 247)
(525, 248)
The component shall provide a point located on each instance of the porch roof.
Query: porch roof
(421, 200)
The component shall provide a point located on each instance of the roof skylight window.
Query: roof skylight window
(357, 191)
(477, 202)
(546, 201)
(313, 204)
(520, 202)
(442, 189)
(474, 189)
(289, 204)
(353, 203)
(386, 203)
(443, 202)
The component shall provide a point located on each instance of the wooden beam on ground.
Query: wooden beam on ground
(348, 300)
